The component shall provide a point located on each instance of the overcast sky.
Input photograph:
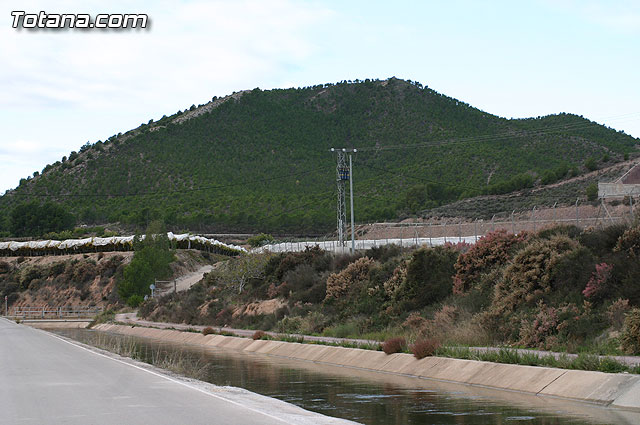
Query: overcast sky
(60, 89)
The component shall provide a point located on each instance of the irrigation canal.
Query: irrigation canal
(365, 397)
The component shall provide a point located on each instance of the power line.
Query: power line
(487, 137)
(475, 189)
(420, 179)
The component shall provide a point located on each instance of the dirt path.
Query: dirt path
(186, 281)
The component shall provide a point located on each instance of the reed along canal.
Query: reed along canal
(361, 396)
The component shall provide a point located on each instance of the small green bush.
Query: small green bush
(384, 252)
(592, 192)
(609, 365)
(602, 241)
(428, 278)
(343, 330)
(306, 284)
(134, 300)
(4, 267)
(289, 325)
(260, 240)
(591, 164)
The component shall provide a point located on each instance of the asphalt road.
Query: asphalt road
(45, 379)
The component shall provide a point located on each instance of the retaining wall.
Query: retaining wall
(57, 324)
(616, 390)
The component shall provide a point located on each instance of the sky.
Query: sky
(62, 88)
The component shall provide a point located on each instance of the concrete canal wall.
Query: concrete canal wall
(613, 389)
(57, 324)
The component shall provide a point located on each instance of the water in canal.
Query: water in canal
(365, 397)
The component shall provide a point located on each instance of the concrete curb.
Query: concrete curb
(619, 390)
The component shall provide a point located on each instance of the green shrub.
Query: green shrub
(531, 274)
(629, 242)
(314, 322)
(306, 284)
(56, 269)
(586, 361)
(279, 265)
(147, 307)
(609, 365)
(630, 337)
(135, 300)
(569, 230)
(343, 330)
(591, 164)
(428, 279)
(289, 325)
(592, 192)
(104, 317)
(151, 260)
(602, 241)
(4, 267)
(260, 240)
(384, 252)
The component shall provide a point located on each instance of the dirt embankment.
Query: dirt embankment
(64, 280)
(77, 280)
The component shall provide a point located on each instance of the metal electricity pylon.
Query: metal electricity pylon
(344, 173)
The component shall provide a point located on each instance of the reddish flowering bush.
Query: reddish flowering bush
(425, 347)
(493, 249)
(259, 334)
(208, 331)
(394, 345)
(548, 325)
(458, 246)
(415, 323)
(598, 283)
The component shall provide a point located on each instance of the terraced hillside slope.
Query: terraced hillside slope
(259, 160)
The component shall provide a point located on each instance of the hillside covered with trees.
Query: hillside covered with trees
(260, 161)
